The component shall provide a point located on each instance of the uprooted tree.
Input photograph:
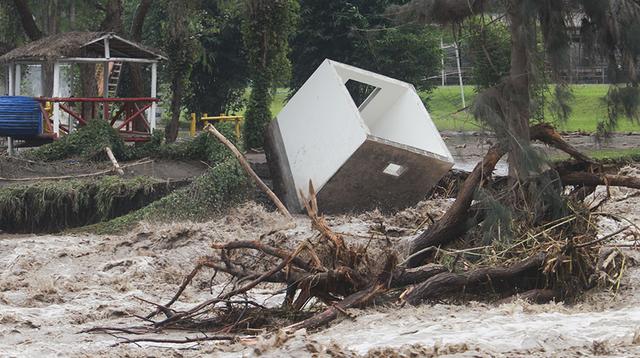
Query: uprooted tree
(540, 34)
(520, 235)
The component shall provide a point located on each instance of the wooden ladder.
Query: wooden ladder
(114, 78)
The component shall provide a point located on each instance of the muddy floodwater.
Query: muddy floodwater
(468, 148)
(54, 286)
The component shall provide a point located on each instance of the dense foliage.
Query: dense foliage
(266, 28)
(220, 74)
(180, 51)
(358, 33)
(487, 45)
(87, 142)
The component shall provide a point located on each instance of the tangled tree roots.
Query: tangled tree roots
(547, 256)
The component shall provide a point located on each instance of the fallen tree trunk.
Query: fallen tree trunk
(247, 168)
(594, 179)
(453, 224)
(113, 160)
(547, 134)
(449, 282)
(404, 277)
(357, 299)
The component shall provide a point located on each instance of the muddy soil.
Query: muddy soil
(162, 169)
(52, 287)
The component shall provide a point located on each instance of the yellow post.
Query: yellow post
(48, 107)
(192, 127)
(238, 128)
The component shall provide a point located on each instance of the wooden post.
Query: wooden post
(192, 127)
(247, 168)
(56, 93)
(105, 70)
(113, 160)
(154, 105)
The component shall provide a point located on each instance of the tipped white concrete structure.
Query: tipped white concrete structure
(384, 153)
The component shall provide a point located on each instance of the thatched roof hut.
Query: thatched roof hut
(105, 48)
(75, 45)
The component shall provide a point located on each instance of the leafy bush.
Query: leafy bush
(88, 142)
(203, 147)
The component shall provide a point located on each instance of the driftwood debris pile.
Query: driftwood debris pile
(550, 254)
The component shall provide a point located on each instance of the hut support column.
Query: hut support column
(56, 93)
(105, 79)
(18, 80)
(11, 93)
(11, 80)
(154, 105)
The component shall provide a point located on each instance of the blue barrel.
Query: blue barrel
(20, 117)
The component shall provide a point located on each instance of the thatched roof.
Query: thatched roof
(79, 44)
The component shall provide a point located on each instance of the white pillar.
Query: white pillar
(43, 89)
(444, 74)
(154, 87)
(11, 80)
(56, 93)
(105, 80)
(105, 70)
(464, 104)
(18, 80)
(11, 93)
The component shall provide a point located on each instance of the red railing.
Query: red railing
(127, 115)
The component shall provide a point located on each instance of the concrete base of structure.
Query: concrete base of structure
(380, 174)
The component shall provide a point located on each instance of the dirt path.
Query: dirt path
(162, 169)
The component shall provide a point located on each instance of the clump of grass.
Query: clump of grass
(221, 187)
(88, 142)
(55, 206)
(203, 147)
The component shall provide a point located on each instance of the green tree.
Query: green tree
(220, 75)
(266, 28)
(181, 51)
(539, 34)
(488, 46)
(10, 27)
(357, 33)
